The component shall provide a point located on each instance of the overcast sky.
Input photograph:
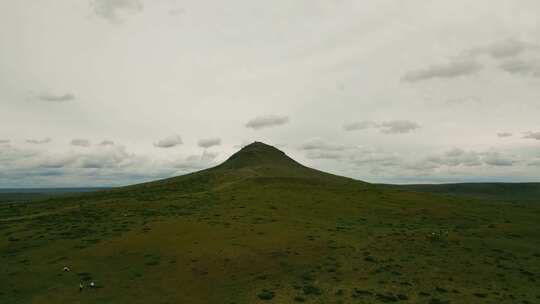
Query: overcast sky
(113, 92)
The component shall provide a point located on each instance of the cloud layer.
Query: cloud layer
(506, 48)
(452, 69)
(111, 10)
(39, 141)
(320, 144)
(110, 164)
(360, 125)
(512, 56)
(532, 135)
(519, 67)
(386, 127)
(267, 121)
(375, 90)
(209, 142)
(169, 142)
(56, 98)
(80, 143)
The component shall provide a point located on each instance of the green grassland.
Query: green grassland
(261, 228)
(509, 192)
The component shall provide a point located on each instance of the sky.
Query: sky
(116, 92)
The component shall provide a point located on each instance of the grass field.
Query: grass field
(508, 192)
(261, 228)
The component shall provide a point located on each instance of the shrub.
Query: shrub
(312, 290)
(266, 294)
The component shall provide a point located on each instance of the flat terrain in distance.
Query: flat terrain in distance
(33, 194)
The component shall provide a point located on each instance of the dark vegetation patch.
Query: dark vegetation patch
(266, 294)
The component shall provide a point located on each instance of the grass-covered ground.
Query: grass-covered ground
(261, 228)
(509, 192)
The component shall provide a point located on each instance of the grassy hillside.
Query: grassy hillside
(261, 228)
(518, 192)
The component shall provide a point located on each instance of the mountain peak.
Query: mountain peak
(260, 147)
(259, 154)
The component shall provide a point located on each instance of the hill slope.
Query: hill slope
(261, 228)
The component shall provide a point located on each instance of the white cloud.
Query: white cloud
(267, 121)
(98, 165)
(377, 160)
(505, 48)
(452, 69)
(177, 12)
(112, 9)
(169, 142)
(498, 159)
(509, 54)
(195, 162)
(398, 126)
(56, 98)
(112, 156)
(504, 134)
(522, 67)
(55, 161)
(209, 142)
(323, 155)
(457, 157)
(320, 144)
(80, 143)
(387, 127)
(466, 100)
(455, 152)
(420, 166)
(360, 125)
(39, 141)
(534, 162)
(532, 135)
